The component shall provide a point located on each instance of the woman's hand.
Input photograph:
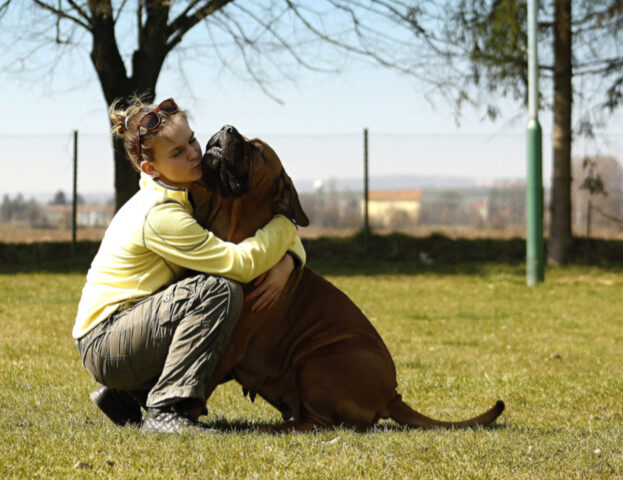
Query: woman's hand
(270, 285)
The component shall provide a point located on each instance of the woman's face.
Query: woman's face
(177, 154)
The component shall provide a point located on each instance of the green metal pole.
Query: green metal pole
(75, 197)
(366, 221)
(535, 258)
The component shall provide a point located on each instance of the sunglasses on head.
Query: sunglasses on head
(152, 120)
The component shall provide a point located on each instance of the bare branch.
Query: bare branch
(4, 7)
(342, 45)
(184, 22)
(599, 16)
(248, 66)
(285, 44)
(62, 14)
(80, 11)
(120, 10)
(184, 14)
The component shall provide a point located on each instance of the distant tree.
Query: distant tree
(59, 198)
(6, 209)
(598, 188)
(400, 219)
(450, 208)
(34, 214)
(507, 206)
(309, 202)
(18, 206)
(580, 60)
(330, 215)
(264, 42)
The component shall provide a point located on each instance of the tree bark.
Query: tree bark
(559, 243)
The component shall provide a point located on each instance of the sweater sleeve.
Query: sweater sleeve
(171, 232)
(297, 250)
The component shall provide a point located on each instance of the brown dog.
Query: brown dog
(314, 355)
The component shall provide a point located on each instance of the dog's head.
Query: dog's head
(234, 166)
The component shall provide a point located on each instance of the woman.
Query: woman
(150, 335)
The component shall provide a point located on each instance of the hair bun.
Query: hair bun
(119, 119)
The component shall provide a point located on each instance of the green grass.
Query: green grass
(461, 337)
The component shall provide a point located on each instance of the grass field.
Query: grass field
(461, 337)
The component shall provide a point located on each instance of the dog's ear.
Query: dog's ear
(287, 200)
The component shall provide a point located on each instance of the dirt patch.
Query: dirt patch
(16, 233)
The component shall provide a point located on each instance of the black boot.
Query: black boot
(171, 419)
(119, 406)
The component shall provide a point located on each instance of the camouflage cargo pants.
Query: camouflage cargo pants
(165, 348)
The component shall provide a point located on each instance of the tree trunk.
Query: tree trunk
(126, 178)
(559, 243)
(114, 80)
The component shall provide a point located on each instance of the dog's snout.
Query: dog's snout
(229, 129)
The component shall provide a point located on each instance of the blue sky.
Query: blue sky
(363, 96)
(316, 107)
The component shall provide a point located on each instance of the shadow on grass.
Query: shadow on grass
(394, 254)
(52, 257)
(249, 426)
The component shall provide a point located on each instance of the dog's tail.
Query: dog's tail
(405, 415)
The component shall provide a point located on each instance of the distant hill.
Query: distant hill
(377, 182)
(388, 182)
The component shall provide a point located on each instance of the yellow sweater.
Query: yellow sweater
(154, 238)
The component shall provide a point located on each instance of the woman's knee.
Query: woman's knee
(236, 295)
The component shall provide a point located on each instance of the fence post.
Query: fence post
(75, 197)
(366, 222)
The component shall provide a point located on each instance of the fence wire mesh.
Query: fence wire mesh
(459, 185)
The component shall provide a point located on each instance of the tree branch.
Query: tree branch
(4, 7)
(62, 14)
(176, 30)
(259, 81)
(342, 45)
(600, 15)
(280, 40)
(80, 11)
(119, 10)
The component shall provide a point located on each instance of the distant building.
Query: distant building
(94, 215)
(394, 208)
(59, 216)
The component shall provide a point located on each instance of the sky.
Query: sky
(317, 130)
(365, 96)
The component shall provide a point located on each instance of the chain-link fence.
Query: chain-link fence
(459, 185)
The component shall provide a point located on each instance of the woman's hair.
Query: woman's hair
(124, 122)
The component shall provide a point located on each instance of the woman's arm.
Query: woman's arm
(297, 251)
(171, 232)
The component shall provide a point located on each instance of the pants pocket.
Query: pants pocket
(174, 302)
